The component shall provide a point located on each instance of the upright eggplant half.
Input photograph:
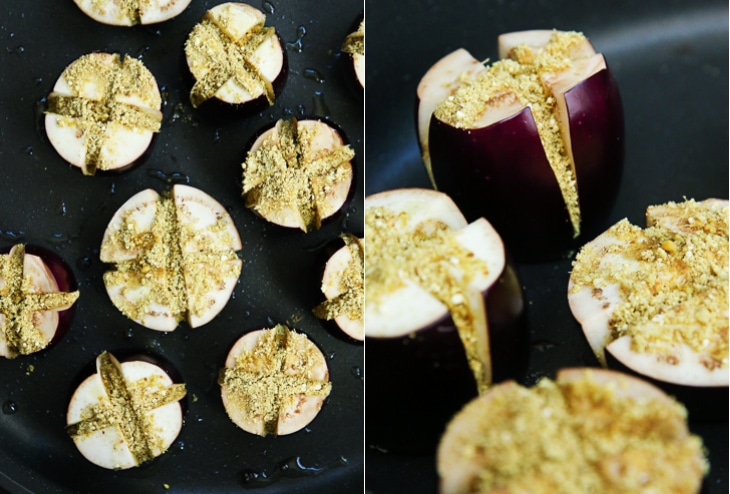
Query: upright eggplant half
(534, 142)
(443, 315)
(654, 301)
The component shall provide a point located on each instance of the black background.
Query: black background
(45, 201)
(670, 59)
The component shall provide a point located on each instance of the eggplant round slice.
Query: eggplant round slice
(298, 173)
(443, 315)
(103, 112)
(533, 142)
(131, 12)
(32, 305)
(234, 58)
(343, 284)
(654, 300)
(275, 381)
(354, 48)
(126, 414)
(590, 430)
(174, 258)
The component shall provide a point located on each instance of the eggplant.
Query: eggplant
(125, 414)
(343, 286)
(542, 164)
(591, 430)
(37, 295)
(429, 351)
(275, 381)
(103, 112)
(173, 258)
(654, 301)
(235, 59)
(354, 50)
(117, 13)
(298, 173)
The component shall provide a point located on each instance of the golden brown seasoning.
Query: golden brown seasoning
(351, 286)
(19, 301)
(354, 43)
(94, 117)
(211, 45)
(430, 256)
(673, 283)
(127, 408)
(273, 376)
(522, 76)
(580, 437)
(286, 172)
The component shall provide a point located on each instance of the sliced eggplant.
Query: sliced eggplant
(174, 258)
(298, 173)
(343, 284)
(126, 414)
(654, 301)
(234, 58)
(275, 381)
(591, 430)
(534, 142)
(132, 12)
(31, 302)
(354, 47)
(443, 315)
(103, 112)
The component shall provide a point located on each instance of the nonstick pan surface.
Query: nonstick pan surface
(671, 63)
(46, 202)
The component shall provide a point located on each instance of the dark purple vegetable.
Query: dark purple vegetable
(497, 166)
(419, 375)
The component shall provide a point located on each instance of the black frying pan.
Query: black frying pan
(44, 201)
(671, 63)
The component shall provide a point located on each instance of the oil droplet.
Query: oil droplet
(297, 44)
(313, 75)
(61, 208)
(38, 81)
(291, 468)
(169, 178)
(84, 263)
(357, 372)
(268, 7)
(29, 150)
(58, 238)
(320, 107)
(130, 332)
(9, 407)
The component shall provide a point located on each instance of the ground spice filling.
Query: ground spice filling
(351, 286)
(354, 43)
(128, 9)
(429, 255)
(127, 408)
(672, 281)
(176, 279)
(19, 302)
(579, 437)
(286, 172)
(523, 77)
(95, 118)
(223, 57)
(273, 376)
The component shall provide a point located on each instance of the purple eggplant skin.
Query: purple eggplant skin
(501, 172)
(415, 383)
(703, 403)
(597, 137)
